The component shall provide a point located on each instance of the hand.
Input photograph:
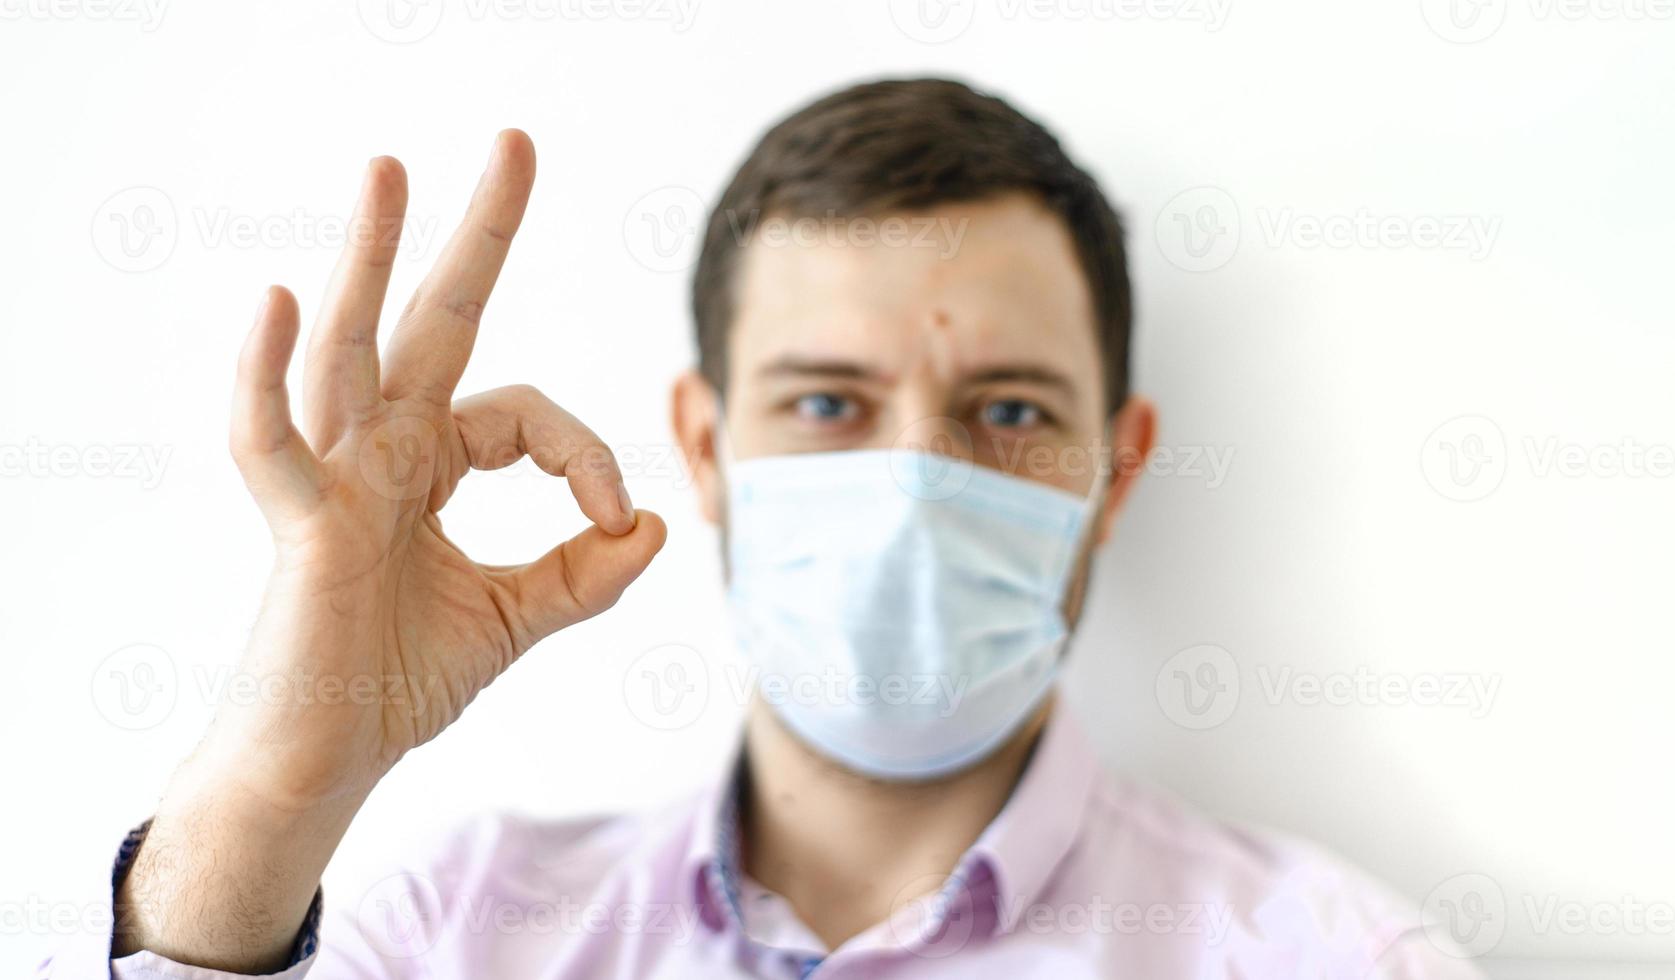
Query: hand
(376, 629)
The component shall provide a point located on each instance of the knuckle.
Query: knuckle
(467, 311)
(594, 458)
(525, 394)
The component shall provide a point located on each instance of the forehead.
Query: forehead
(999, 277)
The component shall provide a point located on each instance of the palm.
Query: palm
(384, 627)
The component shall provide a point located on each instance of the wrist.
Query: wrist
(224, 878)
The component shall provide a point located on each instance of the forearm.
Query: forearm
(223, 879)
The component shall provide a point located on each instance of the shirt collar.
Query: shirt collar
(1020, 849)
(1025, 843)
(712, 850)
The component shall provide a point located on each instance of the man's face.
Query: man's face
(971, 332)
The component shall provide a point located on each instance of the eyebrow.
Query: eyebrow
(1027, 373)
(794, 365)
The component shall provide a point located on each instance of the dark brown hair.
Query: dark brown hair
(900, 146)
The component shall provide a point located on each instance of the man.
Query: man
(912, 419)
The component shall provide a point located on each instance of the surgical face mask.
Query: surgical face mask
(903, 611)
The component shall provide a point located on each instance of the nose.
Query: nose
(923, 422)
(926, 430)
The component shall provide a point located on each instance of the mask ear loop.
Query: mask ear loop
(720, 440)
(1101, 486)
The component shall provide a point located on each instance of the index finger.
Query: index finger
(432, 342)
(502, 426)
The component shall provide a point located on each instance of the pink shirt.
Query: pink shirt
(1081, 875)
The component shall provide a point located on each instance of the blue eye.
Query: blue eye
(825, 407)
(1011, 413)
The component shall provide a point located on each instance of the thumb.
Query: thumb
(584, 576)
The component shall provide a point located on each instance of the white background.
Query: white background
(1535, 142)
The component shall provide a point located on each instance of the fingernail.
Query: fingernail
(262, 307)
(622, 499)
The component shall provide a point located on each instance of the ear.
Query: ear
(1133, 429)
(696, 415)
